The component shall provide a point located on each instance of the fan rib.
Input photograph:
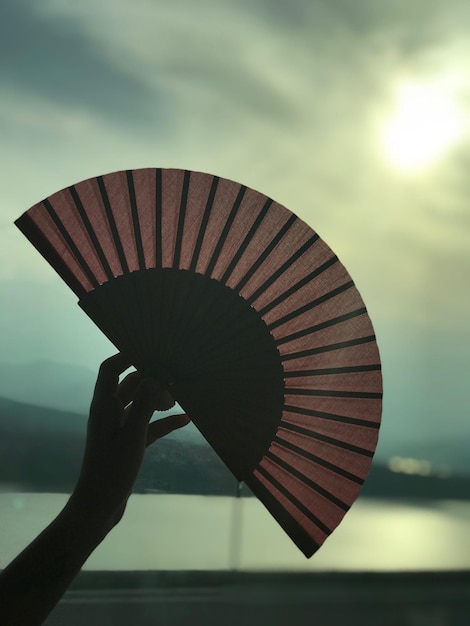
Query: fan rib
(71, 244)
(106, 319)
(331, 416)
(206, 350)
(240, 444)
(299, 428)
(238, 333)
(317, 327)
(332, 370)
(307, 481)
(329, 348)
(204, 222)
(311, 305)
(180, 322)
(238, 363)
(299, 285)
(228, 331)
(338, 443)
(201, 304)
(35, 235)
(158, 218)
(112, 224)
(91, 233)
(295, 501)
(333, 393)
(225, 231)
(241, 249)
(303, 539)
(182, 216)
(318, 460)
(135, 220)
(266, 252)
(307, 245)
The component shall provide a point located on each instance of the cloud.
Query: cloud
(286, 98)
(52, 56)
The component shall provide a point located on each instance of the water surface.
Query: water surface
(169, 532)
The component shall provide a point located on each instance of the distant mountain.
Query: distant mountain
(383, 483)
(67, 388)
(20, 418)
(178, 467)
(41, 450)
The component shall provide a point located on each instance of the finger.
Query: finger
(108, 375)
(128, 387)
(160, 428)
(162, 400)
(165, 401)
(143, 406)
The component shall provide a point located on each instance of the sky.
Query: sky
(354, 115)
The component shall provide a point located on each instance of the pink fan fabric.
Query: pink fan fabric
(226, 241)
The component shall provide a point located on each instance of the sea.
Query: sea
(182, 532)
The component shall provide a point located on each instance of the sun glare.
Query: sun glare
(426, 123)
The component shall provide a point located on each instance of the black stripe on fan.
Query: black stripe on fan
(308, 244)
(266, 252)
(35, 235)
(71, 244)
(112, 224)
(295, 531)
(158, 217)
(317, 327)
(225, 231)
(337, 443)
(91, 232)
(318, 460)
(135, 219)
(298, 285)
(311, 305)
(333, 370)
(331, 416)
(204, 222)
(307, 481)
(297, 503)
(329, 348)
(241, 249)
(182, 215)
(330, 393)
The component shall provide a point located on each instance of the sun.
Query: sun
(426, 123)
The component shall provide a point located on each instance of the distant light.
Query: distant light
(410, 466)
(426, 123)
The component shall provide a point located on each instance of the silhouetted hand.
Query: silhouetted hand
(118, 433)
(119, 430)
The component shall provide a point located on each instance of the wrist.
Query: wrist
(93, 522)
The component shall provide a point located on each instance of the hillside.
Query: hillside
(41, 450)
(69, 388)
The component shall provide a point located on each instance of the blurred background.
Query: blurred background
(356, 116)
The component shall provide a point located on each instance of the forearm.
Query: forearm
(118, 433)
(35, 581)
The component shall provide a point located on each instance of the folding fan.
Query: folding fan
(260, 328)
